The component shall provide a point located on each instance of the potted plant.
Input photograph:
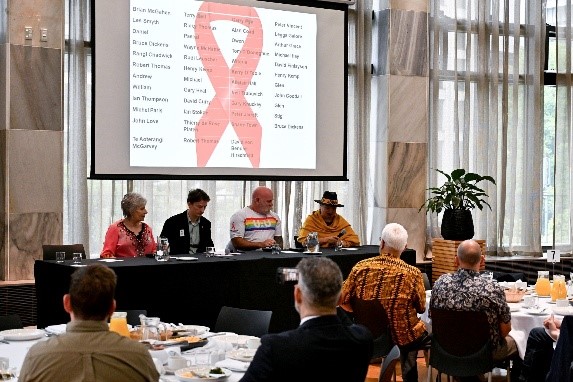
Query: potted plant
(457, 197)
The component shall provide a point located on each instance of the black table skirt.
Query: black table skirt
(191, 292)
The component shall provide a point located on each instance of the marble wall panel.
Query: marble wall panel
(380, 41)
(27, 233)
(380, 174)
(406, 174)
(35, 88)
(379, 109)
(3, 89)
(379, 219)
(3, 218)
(410, 5)
(35, 171)
(408, 50)
(407, 109)
(37, 14)
(415, 224)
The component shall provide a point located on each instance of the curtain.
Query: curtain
(485, 116)
(560, 15)
(86, 222)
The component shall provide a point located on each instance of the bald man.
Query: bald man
(466, 290)
(256, 226)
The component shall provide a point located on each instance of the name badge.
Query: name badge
(181, 233)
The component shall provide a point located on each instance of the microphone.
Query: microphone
(341, 233)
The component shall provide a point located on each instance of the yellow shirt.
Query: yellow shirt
(315, 223)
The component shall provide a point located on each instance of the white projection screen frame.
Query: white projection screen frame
(134, 105)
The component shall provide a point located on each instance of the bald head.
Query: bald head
(262, 200)
(469, 254)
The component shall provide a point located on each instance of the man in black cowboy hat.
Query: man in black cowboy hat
(330, 226)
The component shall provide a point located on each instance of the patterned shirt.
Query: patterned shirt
(252, 226)
(466, 290)
(398, 286)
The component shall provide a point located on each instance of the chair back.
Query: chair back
(371, 313)
(243, 321)
(49, 250)
(133, 316)
(11, 321)
(461, 345)
(427, 284)
(388, 365)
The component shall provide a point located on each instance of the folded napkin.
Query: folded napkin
(233, 364)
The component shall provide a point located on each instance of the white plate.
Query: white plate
(22, 334)
(195, 330)
(350, 249)
(245, 355)
(564, 311)
(538, 312)
(514, 306)
(238, 339)
(181, 374)
(186, 258)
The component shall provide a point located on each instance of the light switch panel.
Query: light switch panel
(27, 33)
(43, 34)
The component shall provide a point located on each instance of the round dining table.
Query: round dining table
(523, 319)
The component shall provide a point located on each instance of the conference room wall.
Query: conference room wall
(31, 137)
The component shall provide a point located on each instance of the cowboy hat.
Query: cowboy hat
(329, 199)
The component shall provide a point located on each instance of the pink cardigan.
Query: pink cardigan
(121, 242)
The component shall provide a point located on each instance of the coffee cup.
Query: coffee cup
(529, 301)
(253, 343)
(176, 362)
(562, 303)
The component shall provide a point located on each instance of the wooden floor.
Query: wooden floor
(374, 372)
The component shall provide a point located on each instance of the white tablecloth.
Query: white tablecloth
(16, 351)
(521, 321)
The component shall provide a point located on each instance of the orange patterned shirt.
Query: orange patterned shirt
(398, 286)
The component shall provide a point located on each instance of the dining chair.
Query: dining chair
(371, 313)
(243, 321)
(133, 316)
(460, 344)
(427, 284)
(388, 366)
(11, 321)
(49, 250)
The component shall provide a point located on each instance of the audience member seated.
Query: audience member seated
(88, 351)
(189, 232)
(322, 348)
(466, 290)
(399, 287)
(539, 350)
(256, 226)
(329, 225)
(130, 236)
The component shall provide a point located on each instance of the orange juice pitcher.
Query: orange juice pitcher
(559, 289)
(118, 323)
(543, 286)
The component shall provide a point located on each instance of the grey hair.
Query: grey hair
(130, 202)
(395, 236)
(320, 280)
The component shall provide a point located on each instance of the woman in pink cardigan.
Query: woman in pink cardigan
(130, 236)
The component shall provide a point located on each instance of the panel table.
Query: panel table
(191, 292)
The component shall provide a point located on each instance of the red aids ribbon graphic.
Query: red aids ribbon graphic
(229, 103)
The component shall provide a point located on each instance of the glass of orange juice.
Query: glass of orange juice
(559, 289)
(543, 286)
(118, 323)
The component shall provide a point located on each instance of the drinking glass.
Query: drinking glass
(162, 253)
(77, 258)
(276, 249)
(210, 251)
(338, 246)
(60, 257)
(487, 275)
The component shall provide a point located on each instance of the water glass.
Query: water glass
(210, 251)
(338, 246)
(77, 258)
(60, 257)
(276, 249)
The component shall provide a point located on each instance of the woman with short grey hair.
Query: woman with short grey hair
(130, 236)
